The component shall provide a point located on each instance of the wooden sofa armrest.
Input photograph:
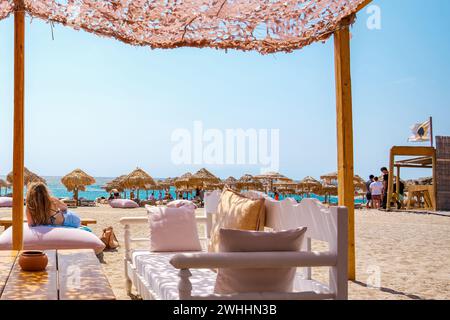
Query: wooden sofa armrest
(241, 260)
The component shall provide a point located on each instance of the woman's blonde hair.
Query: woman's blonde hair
(38, 202)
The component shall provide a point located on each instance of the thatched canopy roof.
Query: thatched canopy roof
(249, 182)
(77, 180)
(310, 184)
(329, 189)
(182, 183)
(29, 177)
(167, 183)
(230, 181)
(286, 186)
(138, 179)
(266, 26)
(117, 183)
(272, 176)
(3, 184)
(213, 186)
(202, 177)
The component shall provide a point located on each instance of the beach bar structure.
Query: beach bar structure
(259, 25)
(437, 195)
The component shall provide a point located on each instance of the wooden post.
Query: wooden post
(345, 137)
(397, 183)
(431, 132)
(434, 193)
(18, 153)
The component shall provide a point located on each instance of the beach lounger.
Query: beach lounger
(186, 276)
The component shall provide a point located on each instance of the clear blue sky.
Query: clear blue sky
(108, 107)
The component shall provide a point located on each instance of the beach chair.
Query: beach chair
(189, 276)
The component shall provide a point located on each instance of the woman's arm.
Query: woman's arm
(59, 204)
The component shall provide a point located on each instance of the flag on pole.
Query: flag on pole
(421, 132)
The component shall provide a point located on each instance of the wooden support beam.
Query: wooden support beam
(18, 153)
(413, 151)
(345, 137)
(363, 5)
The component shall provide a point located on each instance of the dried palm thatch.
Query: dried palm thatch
(182, 183)
(213, 186)
(272, 176)
(116, 184)
(359, 183)
(28, 177)
(138, 179)
(76, 181)
(202, 177)
(328, 189)
(332, 178)
(230, 182)
(167, 183)
(309, 184)
(248, 182)
(3, 184)
(286, 186)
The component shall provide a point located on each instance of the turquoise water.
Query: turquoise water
(95, 191)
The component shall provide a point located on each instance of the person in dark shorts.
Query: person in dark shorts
(369, 194)
(385, 173)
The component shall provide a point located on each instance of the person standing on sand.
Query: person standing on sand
(376, 190)
(369, 194)
(385, 173)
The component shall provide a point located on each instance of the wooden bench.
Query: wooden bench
(70, 275)
(7, 222)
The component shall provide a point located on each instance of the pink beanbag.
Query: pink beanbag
(182, 203)
(173, 229)
(52, 238)
(123, 204)
(5, 202)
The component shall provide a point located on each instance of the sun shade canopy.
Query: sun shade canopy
(266, 26)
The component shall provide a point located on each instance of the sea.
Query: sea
(95, 191)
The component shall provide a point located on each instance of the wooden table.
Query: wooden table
(7, 222)
(70, 275)
(424, 192)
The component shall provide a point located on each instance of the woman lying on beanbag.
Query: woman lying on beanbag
(45, 210)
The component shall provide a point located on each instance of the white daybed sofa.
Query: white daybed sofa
(185, 276)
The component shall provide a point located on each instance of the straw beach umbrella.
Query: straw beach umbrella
(3, 184)
(182, 183)
(77, 181)
(28, 177)
(310, 185)
(116, 183)
(269, 177)
(249, 182)
(202, 177)
(230, 182)
(138, 179)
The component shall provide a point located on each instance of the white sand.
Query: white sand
(410, 252)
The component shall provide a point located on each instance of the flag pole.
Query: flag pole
(431, 132)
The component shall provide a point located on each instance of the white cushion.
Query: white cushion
(173, 229)
(162, 278)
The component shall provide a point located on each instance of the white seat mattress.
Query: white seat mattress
(163, 278)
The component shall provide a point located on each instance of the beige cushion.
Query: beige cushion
(236, 211)
(257, 280)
